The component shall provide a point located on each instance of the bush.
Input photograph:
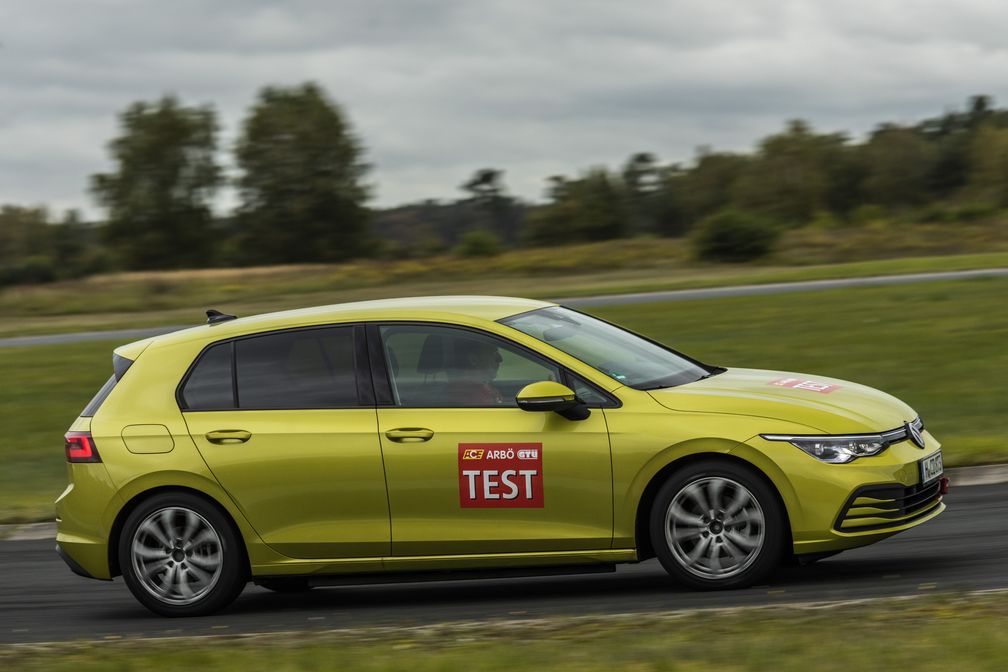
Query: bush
(30, 271)
(478, 243)
(733, 237)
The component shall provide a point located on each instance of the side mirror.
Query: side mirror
(547, 395)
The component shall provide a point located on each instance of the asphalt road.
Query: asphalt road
(126, 335)
(964, 549)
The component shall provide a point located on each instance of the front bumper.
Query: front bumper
(833, 507)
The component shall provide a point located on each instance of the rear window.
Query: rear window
(308, 368)
(119, 367)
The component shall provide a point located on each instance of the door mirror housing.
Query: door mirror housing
(548, 395)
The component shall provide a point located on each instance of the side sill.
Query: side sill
(490, 562)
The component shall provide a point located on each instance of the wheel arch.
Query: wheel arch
(115, 531)
(642, 536)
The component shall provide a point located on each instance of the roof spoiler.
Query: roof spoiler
(216, 317)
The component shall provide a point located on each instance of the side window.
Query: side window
(210, 384)
(586, 392)
(444, 367)
(311, 368)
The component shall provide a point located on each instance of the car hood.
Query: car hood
(841, 408)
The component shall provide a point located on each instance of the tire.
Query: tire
(741, 544)
(285, 584)
(197, 569)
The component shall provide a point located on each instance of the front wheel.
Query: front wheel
(180, 556)
(716, 524)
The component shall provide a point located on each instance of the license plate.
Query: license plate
(931, 468)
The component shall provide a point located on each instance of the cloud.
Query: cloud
(439, 88)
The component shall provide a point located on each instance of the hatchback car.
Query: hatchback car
(457, 436)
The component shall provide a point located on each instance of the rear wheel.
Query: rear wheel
(716, 524)
(180, 556)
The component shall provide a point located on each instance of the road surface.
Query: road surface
(964, 549)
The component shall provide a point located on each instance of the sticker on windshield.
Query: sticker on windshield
(810, 385)
(505, 475)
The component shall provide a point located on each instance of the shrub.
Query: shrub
(478, 243)
(30, 271)
(733, 237)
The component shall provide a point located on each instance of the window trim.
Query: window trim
(383, 385)
(362, 370)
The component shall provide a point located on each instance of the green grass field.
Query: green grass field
(179, 297)
(939, 346)
(936, 634)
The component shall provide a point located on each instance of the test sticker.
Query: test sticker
(505, 475)
(810, 385)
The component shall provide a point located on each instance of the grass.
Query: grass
(938, 634)
(177, 297)
(938, 346)
(44, 388)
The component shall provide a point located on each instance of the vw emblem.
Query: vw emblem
(915, 435)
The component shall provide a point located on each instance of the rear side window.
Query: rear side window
(210, 385)
(309, 368)
(298, 369)
(119, 367)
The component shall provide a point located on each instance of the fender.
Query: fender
(258, 551)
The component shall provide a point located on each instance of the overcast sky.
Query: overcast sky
(439, 88)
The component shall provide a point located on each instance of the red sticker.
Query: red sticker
(810, 385)
(506, 475)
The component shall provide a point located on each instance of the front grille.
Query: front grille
(876, 507)
(902, 433)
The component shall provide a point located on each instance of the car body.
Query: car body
(384, 439)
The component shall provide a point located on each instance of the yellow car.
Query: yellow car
(456, 436)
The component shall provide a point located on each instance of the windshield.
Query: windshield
(623, 356)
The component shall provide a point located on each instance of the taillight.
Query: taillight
(80, 447)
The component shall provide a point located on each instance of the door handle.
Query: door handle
(409, 434)
(225, 436)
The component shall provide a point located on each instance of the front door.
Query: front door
(467, 471)
(289, 430)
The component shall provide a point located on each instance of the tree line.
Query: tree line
(300, 180)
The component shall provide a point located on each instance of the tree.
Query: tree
(487, 192)
(586, 209)
(790, 178)
(300, 184)
(707, 187)
(898, 164)
(988, 178)
(158, 197)
(642, 184)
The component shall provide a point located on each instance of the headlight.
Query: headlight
(835, 449)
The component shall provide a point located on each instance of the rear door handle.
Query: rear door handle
(409, 434)
(225, 436)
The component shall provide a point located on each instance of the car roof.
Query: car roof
(449, 308)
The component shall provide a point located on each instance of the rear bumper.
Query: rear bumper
(82, 531)
(72, 564)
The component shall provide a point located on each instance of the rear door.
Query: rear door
(286, 423)
(467, 470)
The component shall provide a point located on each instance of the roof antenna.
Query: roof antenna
(216, 317)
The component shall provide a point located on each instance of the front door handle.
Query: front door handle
(225, 436)
(409, 434)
